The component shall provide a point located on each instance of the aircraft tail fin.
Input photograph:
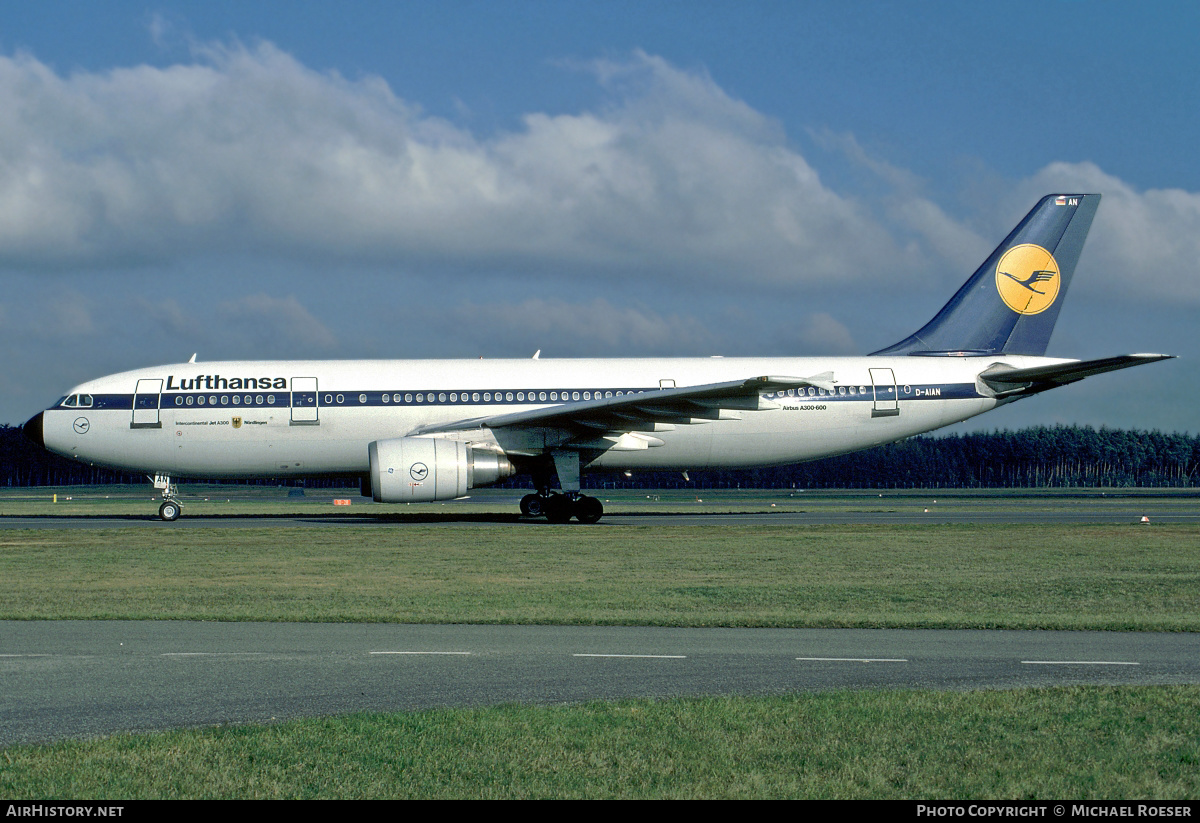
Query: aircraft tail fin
(1011, 302)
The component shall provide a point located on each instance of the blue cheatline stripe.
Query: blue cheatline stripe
(491, 397)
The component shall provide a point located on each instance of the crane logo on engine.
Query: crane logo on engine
(418, 471)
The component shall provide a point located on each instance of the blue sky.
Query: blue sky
(311, 179)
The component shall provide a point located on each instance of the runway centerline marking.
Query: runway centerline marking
(26, 655)
(1079, 663)
(643, 656)
(856, 660)
(212, 654)
(460, 654)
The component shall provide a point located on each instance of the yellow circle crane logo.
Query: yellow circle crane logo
(1027, 279)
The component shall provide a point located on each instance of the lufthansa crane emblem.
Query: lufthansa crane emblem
(1027, 278)
(418, 471)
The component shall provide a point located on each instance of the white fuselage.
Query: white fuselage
(289, 418)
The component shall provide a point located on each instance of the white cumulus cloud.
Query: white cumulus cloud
(246, 149)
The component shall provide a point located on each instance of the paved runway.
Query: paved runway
(770, 507)
(719, 507)
(68, 679)
(912, 516)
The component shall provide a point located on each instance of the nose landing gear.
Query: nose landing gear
(170, 509)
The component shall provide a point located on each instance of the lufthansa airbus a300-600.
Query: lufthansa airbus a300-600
(424, 430)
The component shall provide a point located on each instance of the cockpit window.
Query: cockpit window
(78, 400)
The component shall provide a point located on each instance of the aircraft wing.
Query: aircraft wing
(643, 411)
(1005, 381)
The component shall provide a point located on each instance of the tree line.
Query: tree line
(1037, 457)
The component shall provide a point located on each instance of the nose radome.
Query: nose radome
(33, 430)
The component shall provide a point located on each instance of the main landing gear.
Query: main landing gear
(560, 507)
(170, 509)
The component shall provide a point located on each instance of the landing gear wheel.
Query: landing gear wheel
(558, 508)
(170, 511)
(588, 510)
(533, 505)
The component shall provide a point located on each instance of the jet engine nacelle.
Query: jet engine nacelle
(421, 469)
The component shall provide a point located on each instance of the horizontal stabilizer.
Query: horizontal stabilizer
(1006, 381)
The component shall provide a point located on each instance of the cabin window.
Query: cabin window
(258, 399)
(474, 397)
(587, 395)
(386, 399)
(574, 395)
(362, 398)
(520, 395)
(189, 400)
(442, 397)
(224, 400)
(407, 398)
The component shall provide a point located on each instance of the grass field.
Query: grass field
(476, 564)
(1059, 744)
(946, 576)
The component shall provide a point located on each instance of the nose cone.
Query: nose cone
(33, 430)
